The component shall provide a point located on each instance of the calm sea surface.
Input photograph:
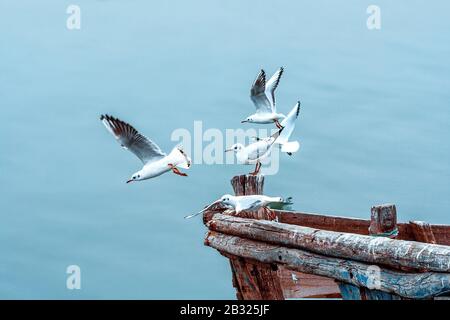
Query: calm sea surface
(374, 128)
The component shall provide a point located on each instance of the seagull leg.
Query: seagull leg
(277, 123)
(177, 171)
(257, 168)
(254, 172)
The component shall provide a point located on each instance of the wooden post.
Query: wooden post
(246, 185)
(253, 280)
(383, 221)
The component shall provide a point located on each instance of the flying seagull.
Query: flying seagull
(242, 203)
(155, 161)
(262, 94)
(288, 125)
(256, 151)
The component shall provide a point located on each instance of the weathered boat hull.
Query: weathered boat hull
(317, 256)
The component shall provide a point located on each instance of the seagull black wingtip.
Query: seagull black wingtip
(105, 117)
(298, 108)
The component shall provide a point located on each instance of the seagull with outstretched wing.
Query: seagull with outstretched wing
(262, 94)
(242, 203)
(155, 161)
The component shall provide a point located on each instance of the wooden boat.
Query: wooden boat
(306, 255)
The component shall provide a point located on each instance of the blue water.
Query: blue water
(374, 128)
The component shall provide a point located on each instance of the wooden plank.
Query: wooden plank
(408, 285)
(376, 250)
(350, 225)
(353, 225)
(346, 224)
(324, 222)
(422, 231)
(302, 285)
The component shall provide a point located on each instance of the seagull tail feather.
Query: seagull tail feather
(181, 159)
(290, 147)
(283, 204)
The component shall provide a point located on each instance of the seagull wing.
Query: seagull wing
(261, 148)
(288, 124)
(255, 205)
(129, 138)
(276, 135)
(257, 150)
(271, 86)
(250, 203)
(258, 94)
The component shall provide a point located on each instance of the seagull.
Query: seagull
(241, 203)
(262, 94)
(256, 151)
(288, 125)
(155, 161)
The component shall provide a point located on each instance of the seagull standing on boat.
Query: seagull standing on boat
(256, 151)
(241, 203)
(262, 94)
(288, 125)
(155, 161)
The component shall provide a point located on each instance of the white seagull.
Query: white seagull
(288, 125)
(256, 151)
(156, 162)
(262, 94)
(241, 203)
